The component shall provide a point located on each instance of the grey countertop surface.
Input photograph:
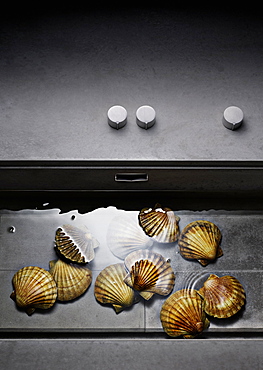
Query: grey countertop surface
(60, 73)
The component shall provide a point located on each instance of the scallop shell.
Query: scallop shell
(34, 288)
(160, 223)
(200, 240)
(72, 279)
(76, 243)
(149, 273)
(182, 314)
(223, 296)
(125, 235)
(110, 288)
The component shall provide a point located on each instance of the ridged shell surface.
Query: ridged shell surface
(159, 223)
(200, 241)
(149, 273)
(111, 289)
(34, 287)
(76, 243)
(223, 296)
(125, 235)
(72, 279)
(182, 314)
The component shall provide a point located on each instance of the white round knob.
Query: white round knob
(145, 116)
(233, 117)
(117, 116)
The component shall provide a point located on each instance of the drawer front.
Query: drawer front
(181, 178)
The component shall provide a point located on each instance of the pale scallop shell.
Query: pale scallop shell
(125, 235)
(159, 223)
(111, 289)
(34, 287)
(182, 314)
(223, 296)
(200, 241)
(72, 279)
(149, 273)
(76, 244)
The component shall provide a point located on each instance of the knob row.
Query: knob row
(145, 117)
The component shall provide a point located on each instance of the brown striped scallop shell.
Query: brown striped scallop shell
(149, 273)
(34, 287)
(111, 289)
(182, 314)
(159, 223)
(72, 279)
(223, 296)
(76, 243)
(200, 241)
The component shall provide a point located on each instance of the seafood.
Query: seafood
(200, 241)
(76, 243)
(223, 296)
(125, 235)
(182, 314)
(159, 223)
(34, 287)
(110, 288)
(72, 279)
(149, 273)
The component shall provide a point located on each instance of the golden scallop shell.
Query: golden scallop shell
(200, 240)
(182, 314)
(76, 243)
(223, 296)
(149, 273)
(111, 289)
(72, 279)
(125, 235)
(34, 287)
(159, 223)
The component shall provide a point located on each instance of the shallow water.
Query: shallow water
(27, 238)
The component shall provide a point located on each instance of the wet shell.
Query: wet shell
(76, 243)
(182, 314)
(72, 279)
(34, 288)
(125, 235)
(223, 296)
(200, 241)
(149, 273)
(159, 223)
(111, 289)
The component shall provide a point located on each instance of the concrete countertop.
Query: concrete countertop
(61, 72)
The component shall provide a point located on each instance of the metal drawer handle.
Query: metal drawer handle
(131, 177)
